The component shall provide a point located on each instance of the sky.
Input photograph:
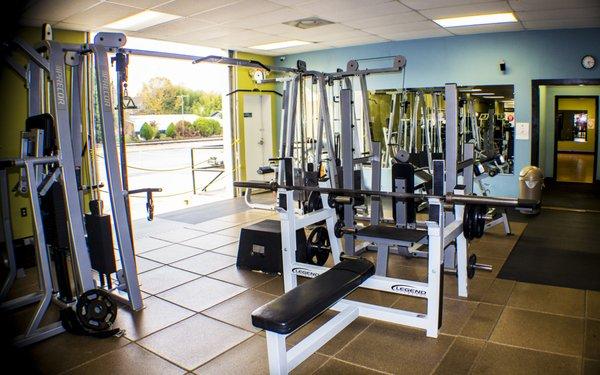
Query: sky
(206, 77)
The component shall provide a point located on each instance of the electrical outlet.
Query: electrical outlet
(23, 211)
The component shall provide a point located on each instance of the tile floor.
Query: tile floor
(197, 319)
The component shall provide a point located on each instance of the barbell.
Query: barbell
(449, 198)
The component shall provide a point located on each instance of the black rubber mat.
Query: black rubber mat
(572, 195)
(558, 247)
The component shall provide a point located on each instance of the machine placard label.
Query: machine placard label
(304, 272)
(406, 289)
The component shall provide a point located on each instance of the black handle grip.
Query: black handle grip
(528, 203)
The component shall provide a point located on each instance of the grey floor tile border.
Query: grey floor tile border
(206, 275)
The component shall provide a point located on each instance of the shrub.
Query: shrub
(207, 127)
(184, 129)
(171, 131)
(148, 131)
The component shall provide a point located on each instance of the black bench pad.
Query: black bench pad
(390, 232)
(309, 299)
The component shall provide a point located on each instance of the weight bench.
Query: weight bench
(284, 315)
(385, 236)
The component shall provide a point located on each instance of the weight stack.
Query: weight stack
(260, 247)
(100, 243)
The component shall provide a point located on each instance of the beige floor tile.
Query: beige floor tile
(482, 321)
(375, 297)
(478, 286)
(336, 367)
(499, 292)
(144, 265)
(211, 226)
(130, 359)
(539, 331)
(244, 217)
(241, 277)
(338, 341)
(57, 353)
(237, 310)
(460, 357)
(496, 264)
(592, 339)
(231, 249)
(593, 304)
(148, 243)
(396, 349)
(233, 232)
(178, 235)
(209, 242)
(172, 253)
(205, 263)
(550, 299)
(194, 341)
(156, 314)
(415, 273)
(274, 286)
(163, 278)
(455, 312)
(591, 367)
(250, 358)
(501, 359)
(201, 294)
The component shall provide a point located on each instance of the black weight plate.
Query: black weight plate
(471, 266)
(96, 310)
(318, 246)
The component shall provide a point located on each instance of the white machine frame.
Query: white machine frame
(282, 361)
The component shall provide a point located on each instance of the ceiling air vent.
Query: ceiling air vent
(308, 23)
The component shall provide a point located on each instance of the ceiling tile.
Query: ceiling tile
(519, 5)
(299, 49)
(422, 34)
(430, 4)
(329, 37)
(289, 3)
(142, 4)
(467, 10)
(562, 24)
(239, 10)
(208, 33)
(278, 16)
(390, 19)
(480, 29)
(276, 29)
(558, 14)
(403, 28)
(176, 27)
(347, 12)
(188, 7)
(101, 14)
(370, 39)
(57, 10)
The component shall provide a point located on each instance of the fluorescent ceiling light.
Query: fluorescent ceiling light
(469, 90)
(483, 19)
(483, 93)
(278, 45)
(494, 97)
(141, 21)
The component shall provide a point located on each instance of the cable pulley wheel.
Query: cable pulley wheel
(318, 246)
(96, 310)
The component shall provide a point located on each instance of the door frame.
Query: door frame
(595, 153)
(535, 113)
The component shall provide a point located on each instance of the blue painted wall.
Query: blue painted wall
(473, 60)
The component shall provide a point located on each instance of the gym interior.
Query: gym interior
(308, 187)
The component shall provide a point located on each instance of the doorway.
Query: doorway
(258, 134)
(575, 135)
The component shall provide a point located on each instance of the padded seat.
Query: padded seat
(311, 298)
(390, 232)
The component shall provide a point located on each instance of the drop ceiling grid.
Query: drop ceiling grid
(241, 24)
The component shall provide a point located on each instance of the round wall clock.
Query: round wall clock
(588, 62)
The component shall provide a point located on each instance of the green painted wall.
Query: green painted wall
(586, 104)
(243, 80)
(547, 98)
(13, 96)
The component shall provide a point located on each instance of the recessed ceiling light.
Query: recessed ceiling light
(141, 21)
(469, 90)
(483, 93)
(483, 19)
(279, 45)
(494, 97)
